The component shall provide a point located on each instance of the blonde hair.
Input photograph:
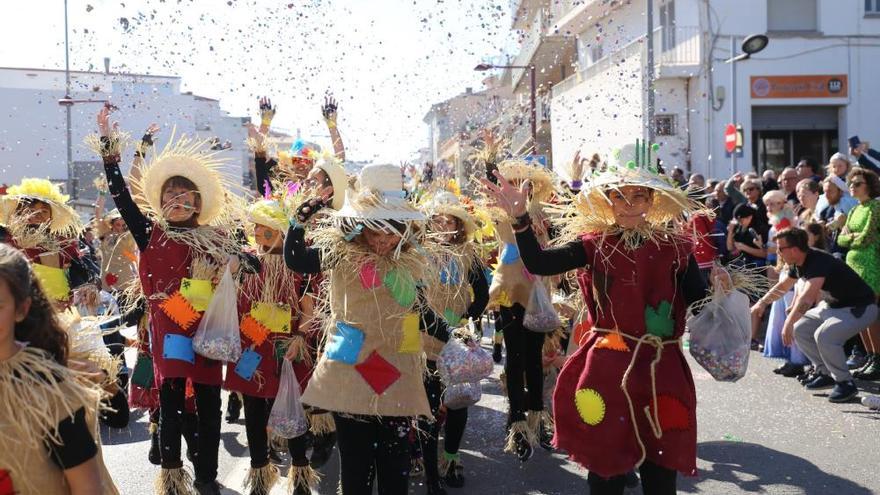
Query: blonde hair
(774, 195)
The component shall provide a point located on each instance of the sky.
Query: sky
(386, 61)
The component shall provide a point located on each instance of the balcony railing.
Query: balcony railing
(673, 47)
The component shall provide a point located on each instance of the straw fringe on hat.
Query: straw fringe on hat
(65, 221)
(446, 203)
(191, 159)
(541, 179)
(268, 212)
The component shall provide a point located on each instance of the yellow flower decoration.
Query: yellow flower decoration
(590, 406)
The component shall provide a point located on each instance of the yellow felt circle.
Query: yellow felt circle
(590, 406)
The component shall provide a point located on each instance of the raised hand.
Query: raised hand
(329, 108)
(267, 114)
(507, 197)
(104, 126)
(577, 167)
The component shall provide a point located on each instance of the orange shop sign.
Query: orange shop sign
(828, 86)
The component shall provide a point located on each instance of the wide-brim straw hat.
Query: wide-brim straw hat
(65, 221)
(540, 178)
(447, 203)
(268, 212)
(191, 159)
(378, 200)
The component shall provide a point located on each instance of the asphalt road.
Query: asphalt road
(763, 434)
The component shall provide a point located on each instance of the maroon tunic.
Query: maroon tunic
(636, 293)
(162, 266)
(265, 381)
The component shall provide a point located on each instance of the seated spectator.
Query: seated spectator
(808, 193)
(788, 181)
(846, 305)
(833, 215)
(808, 168)
(749, 192)
(745, 245)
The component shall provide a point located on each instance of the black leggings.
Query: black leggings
(456, 420)
(256, 419)
(373, 447)
(172, 400)
(524, 349)
(656, 480)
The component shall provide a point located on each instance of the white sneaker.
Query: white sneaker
(871, 401)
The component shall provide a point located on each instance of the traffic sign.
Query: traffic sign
(730, 136)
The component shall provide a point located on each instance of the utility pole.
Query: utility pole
(649, 72)
(71, 181)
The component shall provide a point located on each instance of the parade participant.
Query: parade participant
(369, 374)
(625, 399)
(49, 430)
(462, 294)
(182, 195)
(41, 223)
(511, 287)
(274, 314)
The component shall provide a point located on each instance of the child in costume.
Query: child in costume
(462, 294)
(626, 397)
(48, 412)
(274, 313)
(181, 251)
(370, 372)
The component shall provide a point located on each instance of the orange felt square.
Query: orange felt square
(180, 311)
(253, 330)
(612, 341)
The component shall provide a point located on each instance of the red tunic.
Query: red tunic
(635, 292)
(162, 265)
(704, 248)
(265, 381)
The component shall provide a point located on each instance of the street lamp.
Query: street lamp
(534, 111)
(752, 44)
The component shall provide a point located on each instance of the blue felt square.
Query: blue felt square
(450, 274)
(345, 344)
(178, 347)
(509, 254)
(247, 364)
(488, 274)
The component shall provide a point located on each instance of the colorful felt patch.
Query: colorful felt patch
(509, 254)
(612, 341)
(370, 278)
(411, 342)
(179, 310)
(659, 321)
(281, 347)
(178, 347)
(450, 274)
(142, 375)
(504, 299)
(378, 373)
(6, 486)
(452, 318)
(590, 406)
(345, 343)
(275, 317)
(528, 275)
(401, 286)
(53, 281)
(673, 413)
(198, 292)
(247, 364)
(253, 330)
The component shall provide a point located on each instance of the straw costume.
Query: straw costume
(370, 372)
(462, 294)
(176, 267)
(626, 398)
(511, 287)
(53, 247)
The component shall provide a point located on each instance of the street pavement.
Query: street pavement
(764, 434)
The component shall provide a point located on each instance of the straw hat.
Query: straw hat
(447, 203)
(188, 158)
(519, 169)
(379, 198)
(65, 221)
(338, 177)
(268, 212)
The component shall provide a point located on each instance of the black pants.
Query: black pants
(172, 400)
(373, 447)
(456, 420)
(256, 419)
(524, 349)
(656, 480)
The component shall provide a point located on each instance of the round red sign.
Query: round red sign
(730, 138)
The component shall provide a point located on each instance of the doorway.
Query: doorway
(775, 150)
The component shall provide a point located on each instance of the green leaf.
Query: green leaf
(659, 321)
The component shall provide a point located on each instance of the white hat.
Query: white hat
(379, 196)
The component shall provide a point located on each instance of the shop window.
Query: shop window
(791, 15)
(872, 8)
(664, 125)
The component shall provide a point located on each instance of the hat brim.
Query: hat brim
(65, 221)
(207, 182)
(339, 179)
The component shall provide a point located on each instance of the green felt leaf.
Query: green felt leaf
(451, 317)
(401, 286)
(659, 321)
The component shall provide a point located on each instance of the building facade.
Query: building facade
(804, 95)
(33, 129)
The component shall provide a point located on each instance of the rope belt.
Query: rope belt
(653, 419)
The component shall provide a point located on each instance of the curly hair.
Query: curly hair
(40, 328)
(870, 178)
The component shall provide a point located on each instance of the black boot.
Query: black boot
(436, 488)
(155, 455)
(190, 428)
(322, 449)
(496, 353)
(233, 408)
